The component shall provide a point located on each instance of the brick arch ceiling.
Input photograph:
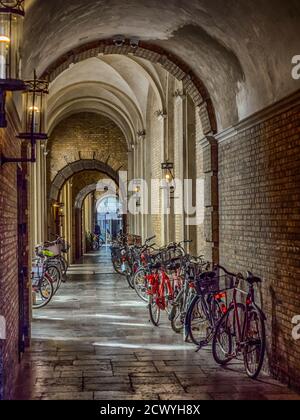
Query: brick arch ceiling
(83, 194)
(241, 50)
(62, 70)
(76, 167)
(95, 97)
(123, 83)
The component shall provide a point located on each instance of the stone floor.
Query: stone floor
(94, 341)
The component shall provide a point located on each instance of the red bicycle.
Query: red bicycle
(160, 292)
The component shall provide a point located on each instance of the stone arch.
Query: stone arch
(76, 167)
(157, 55)
(83, 194)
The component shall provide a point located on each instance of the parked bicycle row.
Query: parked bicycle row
(49, 271)
(205, 302)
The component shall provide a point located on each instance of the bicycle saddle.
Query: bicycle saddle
(251, 279)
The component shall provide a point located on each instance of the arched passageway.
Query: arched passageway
(190, 113)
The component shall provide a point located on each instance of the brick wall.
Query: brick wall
(259, 180)
(155, 137)
(9, 307)
(86, 136)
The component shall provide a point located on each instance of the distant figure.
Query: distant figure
(97, 230)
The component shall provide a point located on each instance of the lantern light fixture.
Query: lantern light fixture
(11, 30)
(168, 170)
(34, 118)
(34, 110)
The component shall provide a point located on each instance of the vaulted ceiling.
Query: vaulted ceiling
(241, 51)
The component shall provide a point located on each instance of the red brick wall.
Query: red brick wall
(259, 176)
(9, 307)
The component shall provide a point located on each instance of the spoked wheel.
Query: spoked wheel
(129, 278)
(198, 326)
(154, 311)
(176, 316)
(224, 339)
(254, 351)
(117, 267)
(140, 284)
(42, 293)
(56, 276)
(64, 266)
(95, 246)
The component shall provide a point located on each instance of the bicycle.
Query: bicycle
(161, 288)
(41, 286)
(186, 293)
(241, 330)
(206, 309)
(97, 243)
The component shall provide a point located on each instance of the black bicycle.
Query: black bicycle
(241, 330)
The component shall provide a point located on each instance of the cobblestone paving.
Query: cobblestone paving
(94, 341)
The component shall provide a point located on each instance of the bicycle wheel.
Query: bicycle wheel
(42, 293)
(255, 337)
(198, 325)
(117, 267)
(129, 278)
(140, 284)
(56, 275)
(154, 311)
(176, 315)
(224, 339)
(64, 265)
(95, 246)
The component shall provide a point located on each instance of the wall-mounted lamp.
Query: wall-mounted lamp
(34, 118)
(11, 28)
(134, 42)
(119, 40)
(178, 94)
(141, 135)
(168, 172)
(161, 115)
(34, 110)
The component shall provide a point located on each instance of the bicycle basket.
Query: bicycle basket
(65, 247)
(207, 283)
(55, 249)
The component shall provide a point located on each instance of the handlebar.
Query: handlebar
(150, 239)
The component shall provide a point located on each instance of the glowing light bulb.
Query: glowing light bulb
(168, 177)
(34, 109)
(4, 38)
(4, 46)
(33, 118)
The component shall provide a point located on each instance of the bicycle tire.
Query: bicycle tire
(117, 267)
(140, 284)
(228, 327)
(262, 346)
(176, 312)
(190, 332)
(154, 311)
(46, 299)
(64, 264)
(56, 275)
(129, 278)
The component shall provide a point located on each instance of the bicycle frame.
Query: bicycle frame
(242, 328)
(157, 283)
